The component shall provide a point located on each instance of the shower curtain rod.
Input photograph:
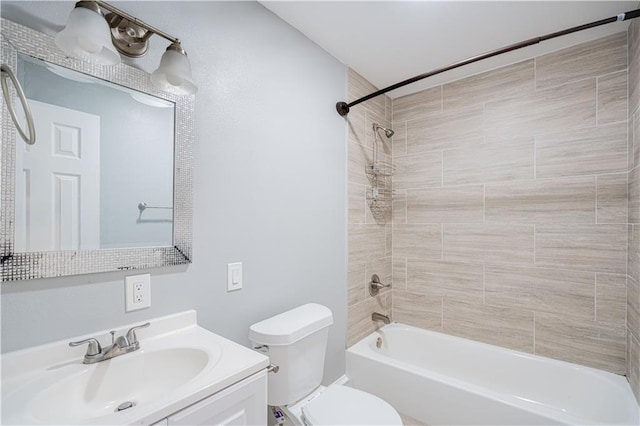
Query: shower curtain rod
(343, 107)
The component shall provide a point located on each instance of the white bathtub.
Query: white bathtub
(440, 379)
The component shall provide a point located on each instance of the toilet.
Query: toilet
(296, 342)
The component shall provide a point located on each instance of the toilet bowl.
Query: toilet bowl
(296, 342)
(343, 405)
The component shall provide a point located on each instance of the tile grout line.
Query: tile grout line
(595, 297)
(534, 332)
(597, 97)
(596, 200)
(442, 241)
(535, 158)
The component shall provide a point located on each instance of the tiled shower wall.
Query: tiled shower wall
(510, 208)
(369, 239)
(633, 265)
(510, 220)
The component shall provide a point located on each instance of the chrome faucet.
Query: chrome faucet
(120, 346)
(379, 317)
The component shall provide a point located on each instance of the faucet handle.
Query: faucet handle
(94, 346)
(131, 334)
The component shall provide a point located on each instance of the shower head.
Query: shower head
(387, 132)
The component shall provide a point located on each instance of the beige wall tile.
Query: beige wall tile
(494, 325)
(612, 97)
(611, 299)
(366, 242)
(635, 137)
(569, 106)
(399, 273)
(631, 150)
(541, 290)
(399, 207)
(585, 151)
(451, 280)
(444, 205)
(586, 343)
(612, 198)
(489, 162)
(598, 248)
(355, 124)
(446, 130)
(633, 365)
(418, 310)
(357, 203)
(388, 249)
(418, 241)
(356, 280)
(388, 108)
(634, 195)
(590, 59)
(359, 158)
(634, 65)
(359, 87)
(568, 200)
(399, 139)
(417, 170)
(359, 321)
(495, 243)
(505, 82)
(417, 105)
(633, 307)
(633, 261)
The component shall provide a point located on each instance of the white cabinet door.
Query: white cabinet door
(244, 403)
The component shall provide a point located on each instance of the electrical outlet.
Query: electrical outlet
(137, 292)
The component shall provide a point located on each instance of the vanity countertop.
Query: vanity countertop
(178, 364)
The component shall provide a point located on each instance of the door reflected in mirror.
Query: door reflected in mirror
(102, 150)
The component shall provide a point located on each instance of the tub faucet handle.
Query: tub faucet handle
(375, 285)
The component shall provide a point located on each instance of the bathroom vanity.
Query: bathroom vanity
(181, 374)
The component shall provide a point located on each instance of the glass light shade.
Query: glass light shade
(87, 36)
(174, 73)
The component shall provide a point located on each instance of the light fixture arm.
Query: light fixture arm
(99, 32)
(138, 22)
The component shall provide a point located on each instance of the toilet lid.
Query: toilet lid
(342, 405)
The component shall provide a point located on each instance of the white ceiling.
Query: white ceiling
(391, 41)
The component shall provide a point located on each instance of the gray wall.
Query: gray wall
(270, 163)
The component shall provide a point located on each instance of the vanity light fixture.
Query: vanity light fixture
(97, 31)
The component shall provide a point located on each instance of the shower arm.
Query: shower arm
(343, 107)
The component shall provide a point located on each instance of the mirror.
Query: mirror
(102, 151)
(107, 186)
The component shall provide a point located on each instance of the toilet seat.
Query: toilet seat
(342, 405)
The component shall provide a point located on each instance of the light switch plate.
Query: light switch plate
(137, 292)
(234, 276)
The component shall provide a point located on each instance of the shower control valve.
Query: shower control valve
(375, 285)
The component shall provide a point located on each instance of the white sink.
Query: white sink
(178, 364)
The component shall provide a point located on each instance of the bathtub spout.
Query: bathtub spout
(379, 317)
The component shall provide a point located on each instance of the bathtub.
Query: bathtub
(439, 379)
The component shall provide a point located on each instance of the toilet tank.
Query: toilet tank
(295, 341)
